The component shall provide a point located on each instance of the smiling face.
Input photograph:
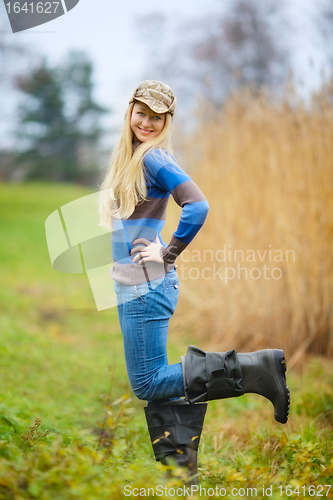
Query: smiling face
(145, 123)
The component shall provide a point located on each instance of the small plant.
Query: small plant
(30, 439)
(114, 420)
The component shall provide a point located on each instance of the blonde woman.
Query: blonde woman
(134, 195)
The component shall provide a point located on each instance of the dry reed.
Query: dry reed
(267, 171)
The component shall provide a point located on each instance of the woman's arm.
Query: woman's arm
(170, 177)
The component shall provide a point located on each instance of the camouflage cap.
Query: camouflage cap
(157, 95)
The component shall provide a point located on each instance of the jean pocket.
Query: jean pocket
(125, 293)
(171, 281)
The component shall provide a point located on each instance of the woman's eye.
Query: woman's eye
(157, 117)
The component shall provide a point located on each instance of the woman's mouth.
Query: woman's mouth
(144, 131)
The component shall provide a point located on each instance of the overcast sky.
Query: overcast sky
(106, 30)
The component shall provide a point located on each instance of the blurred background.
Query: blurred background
(254, 129)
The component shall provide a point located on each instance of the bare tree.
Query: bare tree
(243, 46)
(324, 22)
(244, 50)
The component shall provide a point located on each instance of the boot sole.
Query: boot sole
(281, 367)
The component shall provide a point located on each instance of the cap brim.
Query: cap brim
(155, 105)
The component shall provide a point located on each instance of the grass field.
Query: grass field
(64, 386)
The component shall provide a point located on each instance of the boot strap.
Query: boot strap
(211, 375)
(220, 383)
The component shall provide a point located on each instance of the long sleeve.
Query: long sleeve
(168, 176)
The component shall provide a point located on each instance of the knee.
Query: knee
(144, 392)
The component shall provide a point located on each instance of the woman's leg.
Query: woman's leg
(207, 375)
(174, 425)
(144, 314)
(144, 317)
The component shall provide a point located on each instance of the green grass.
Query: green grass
(62, 362)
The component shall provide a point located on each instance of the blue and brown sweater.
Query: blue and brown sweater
(163, 177)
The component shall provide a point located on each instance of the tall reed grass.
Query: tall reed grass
(267, 171)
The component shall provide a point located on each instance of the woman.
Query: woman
(141, 176)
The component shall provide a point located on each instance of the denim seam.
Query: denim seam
(138, 295)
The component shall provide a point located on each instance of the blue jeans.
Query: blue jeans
(144, 312)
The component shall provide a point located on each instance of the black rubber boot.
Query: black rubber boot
(175, 429)
(220, 375)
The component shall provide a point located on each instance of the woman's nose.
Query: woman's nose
(146, 121)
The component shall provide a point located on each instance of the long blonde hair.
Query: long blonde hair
(124, 185)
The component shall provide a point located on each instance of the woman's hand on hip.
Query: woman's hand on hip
(150, 250)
